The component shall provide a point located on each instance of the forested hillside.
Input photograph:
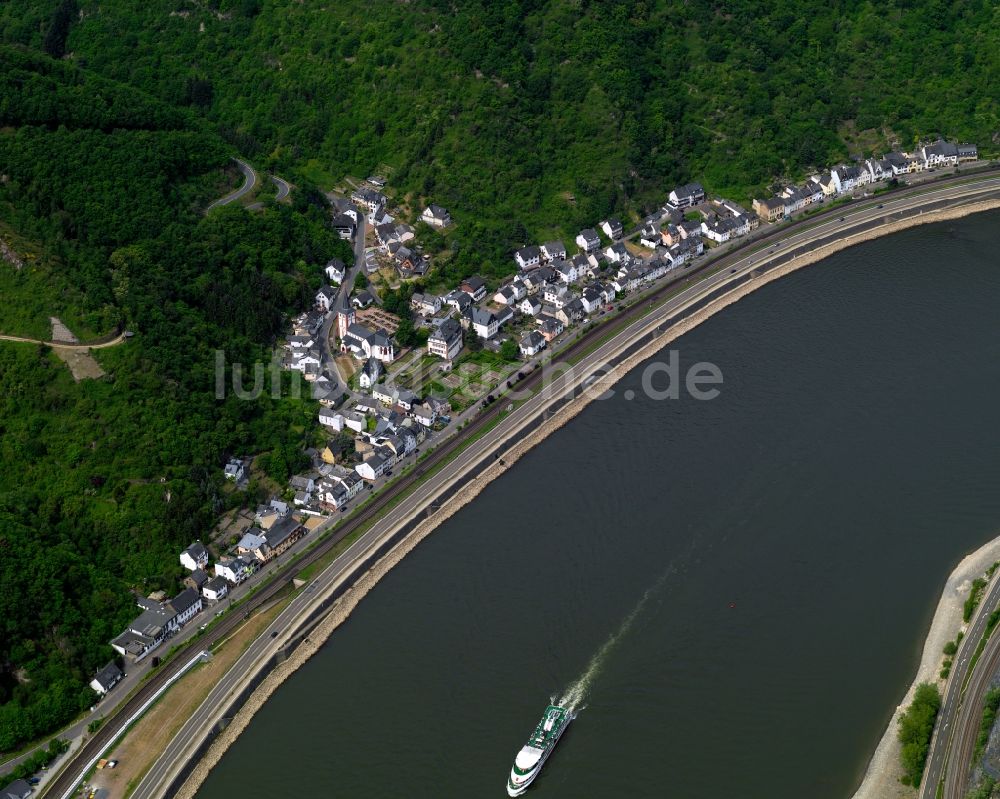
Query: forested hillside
(536, 116)
(102, 482)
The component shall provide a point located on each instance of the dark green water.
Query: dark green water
(806, 521)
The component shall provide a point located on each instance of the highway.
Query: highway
(961, 711)
(250, 181)
(637, 322)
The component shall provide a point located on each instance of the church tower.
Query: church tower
(345, 314)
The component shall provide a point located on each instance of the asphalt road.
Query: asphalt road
(250, 180)
(705, 279)
(350, 272)
(958, 720)
(283, 188)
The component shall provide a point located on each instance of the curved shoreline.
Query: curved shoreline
(881, 780)
(879, 766)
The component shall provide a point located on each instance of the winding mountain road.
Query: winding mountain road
(284, 189)
(250, 181)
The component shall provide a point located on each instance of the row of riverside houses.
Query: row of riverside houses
(844, 179)
(546, 285)
(162, 618)
(551, 292)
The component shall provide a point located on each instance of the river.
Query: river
(790, 537)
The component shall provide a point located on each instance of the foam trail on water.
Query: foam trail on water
(578, 690)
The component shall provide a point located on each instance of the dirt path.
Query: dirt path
(65, 345)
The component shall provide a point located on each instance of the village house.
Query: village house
(236, 570)
(335, 271)
(769, 210)
(650, 237)
(362, 299)
(531, 344)
(297, 342)
(370, 373)
(846, 178)
(233, 470)
(813, 192)
(612, 228)
(215, 589)
(394, 395)
(344, 226)
(687, 195)
(196, 579)
(528, 257)
(557, 296)
(107, 678)
(794, 199)
(458, 300)
(446, 341)
(390, 233)
(436, 216)
(194, 557)
(157, 622)
(342, 205)
(424, 414)
(300, 482)
(551, 250)
(588, 240)
(570, 312)
(591, 299)
(18, 789)
(483, 322)
(475, 287)
(369, 199)
(529, 306)
(549, 326)
(968, 152)
(505, 295)
(618, 253)
(426, 304)
(566, 271)
(940, 153)
(826, 183)
(325, 298)
(375, 464)
(331, 418)
(587, 264)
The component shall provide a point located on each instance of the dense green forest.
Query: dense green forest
(102, 482)
(526, 119)
(535, 117)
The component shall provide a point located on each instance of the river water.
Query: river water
(790, 537)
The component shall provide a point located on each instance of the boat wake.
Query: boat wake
(577, 692)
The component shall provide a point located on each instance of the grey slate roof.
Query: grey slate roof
(109, 675)
(184, 600)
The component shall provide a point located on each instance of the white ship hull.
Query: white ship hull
(516, 784)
